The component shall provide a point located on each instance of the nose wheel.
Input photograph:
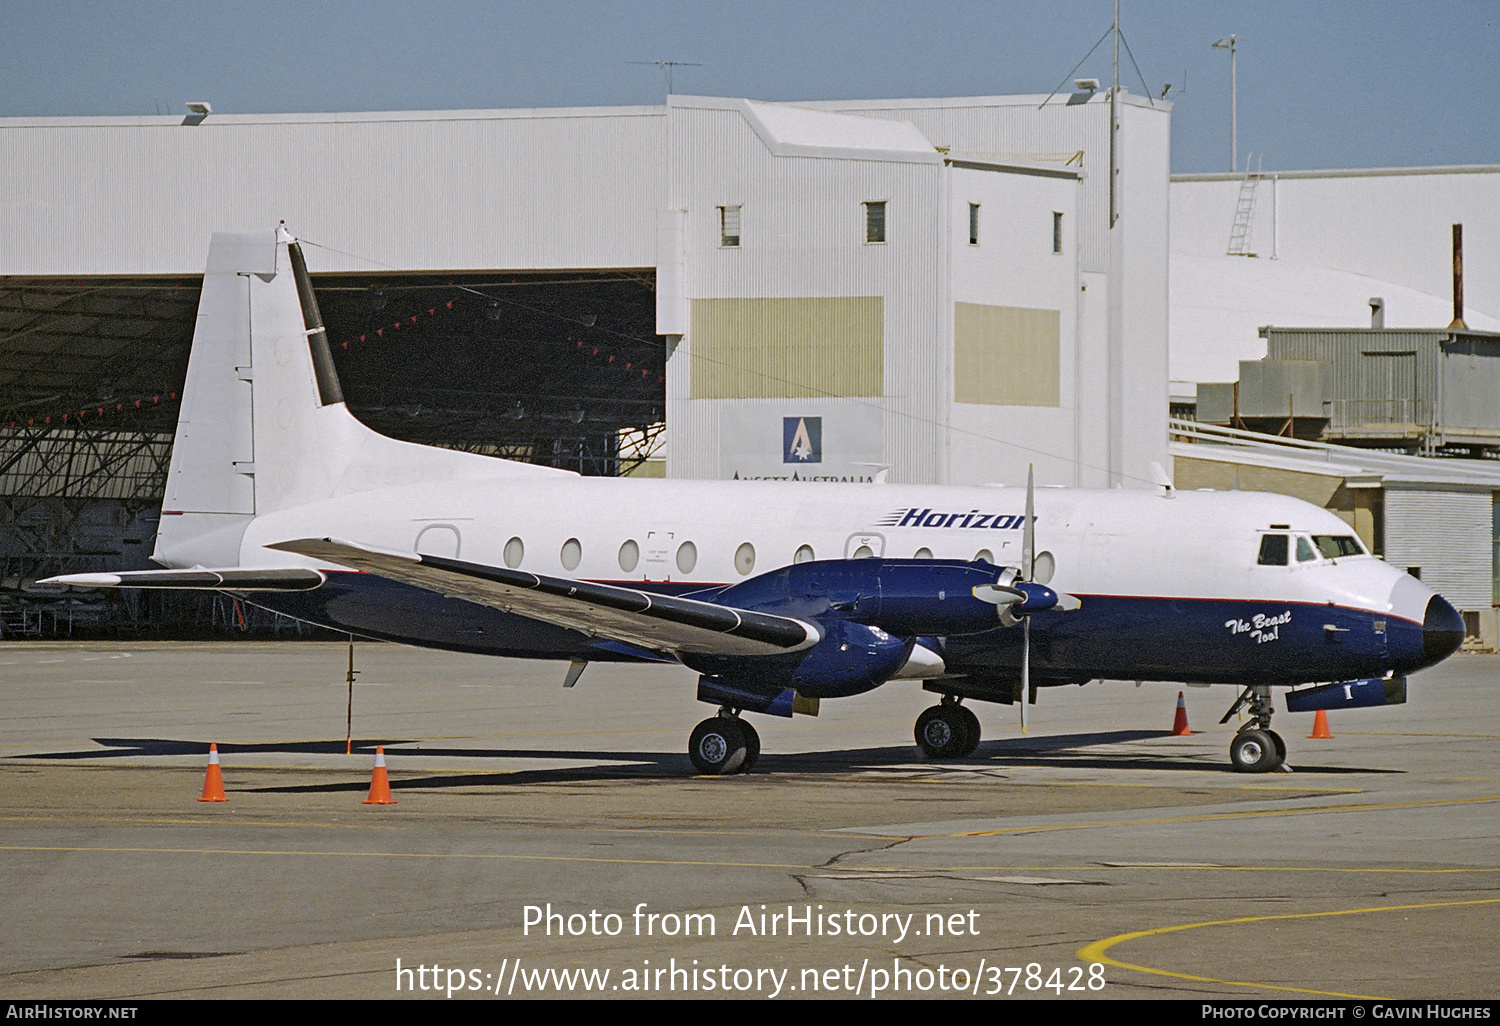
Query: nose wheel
(724, 744)
(947, 731)
(1256, 748)
(1257, 751)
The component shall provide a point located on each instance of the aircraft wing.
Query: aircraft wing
(231, 579)
(659, 622)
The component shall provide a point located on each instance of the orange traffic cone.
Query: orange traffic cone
(213, 780)
(1179, 723)
(1320, 725)
(380, 784)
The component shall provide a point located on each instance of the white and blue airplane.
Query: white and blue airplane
(777, 594)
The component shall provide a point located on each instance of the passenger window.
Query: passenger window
(804, 555)
(630, 555)
(744, 559)
(1273, 550)
(923, 553)
(515, 551)
(1336, 546)
(1305, 551)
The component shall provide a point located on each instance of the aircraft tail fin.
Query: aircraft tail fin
(263, 425)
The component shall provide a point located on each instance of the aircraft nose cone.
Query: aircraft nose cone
(1442, 630)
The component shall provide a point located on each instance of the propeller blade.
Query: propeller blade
(1028, 536)
(1025, 668)
(1068, 603)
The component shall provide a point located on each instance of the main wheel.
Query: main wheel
(717, 746)
(1280, 747)
(943, 732)
(975, 730)
(752, 746)
(1253, 751)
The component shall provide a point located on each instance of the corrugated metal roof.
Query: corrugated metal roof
(1230, 445)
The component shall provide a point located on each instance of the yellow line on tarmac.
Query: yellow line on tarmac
(1213, 816)
(1095, 952)
(82, 849)
(1186, 868)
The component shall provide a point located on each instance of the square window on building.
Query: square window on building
(973, 224)
(1056, 232)
(875, 221)
(729, 227)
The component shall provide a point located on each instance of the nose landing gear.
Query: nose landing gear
(948, 730)
(724, 744)
(1256, 748)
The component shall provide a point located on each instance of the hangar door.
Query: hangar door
(1445, 533)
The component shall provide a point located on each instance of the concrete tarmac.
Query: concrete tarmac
(1097, 856)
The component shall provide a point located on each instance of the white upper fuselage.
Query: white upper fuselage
(1195, 545)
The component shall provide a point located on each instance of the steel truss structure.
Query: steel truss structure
(548, 368)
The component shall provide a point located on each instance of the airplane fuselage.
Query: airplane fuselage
(1171, 586)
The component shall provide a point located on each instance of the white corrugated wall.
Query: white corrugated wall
(484, 190)
(802, 234)
(1446, 532)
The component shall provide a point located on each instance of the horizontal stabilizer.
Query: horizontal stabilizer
(659, 622)
(234, 579)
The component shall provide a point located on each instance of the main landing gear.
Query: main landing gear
(948, 730)
(1256, 747)
(724, 744)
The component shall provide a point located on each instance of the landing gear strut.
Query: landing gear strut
(1256, 747)
(724, 744)
(948, 730)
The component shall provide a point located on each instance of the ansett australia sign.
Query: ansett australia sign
(805, 442)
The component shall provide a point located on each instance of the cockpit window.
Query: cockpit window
(1336, 546)
(1305, 551)
(1273, 550)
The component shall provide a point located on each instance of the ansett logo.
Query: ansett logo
(973, 520)
(802, 439)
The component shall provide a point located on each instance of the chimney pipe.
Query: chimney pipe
(1458, 279)
(1377, 312)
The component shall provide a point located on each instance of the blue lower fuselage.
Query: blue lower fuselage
(1116, 637)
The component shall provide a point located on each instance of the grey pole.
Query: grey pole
(1228, 43)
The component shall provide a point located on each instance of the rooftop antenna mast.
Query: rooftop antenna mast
(668, 67)
(1114, 121)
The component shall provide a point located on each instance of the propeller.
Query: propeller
(1028, 561)
(1019, 596)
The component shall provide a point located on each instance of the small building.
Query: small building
(1421, 390)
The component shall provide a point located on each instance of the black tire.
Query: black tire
(752, 746)
(717, 746)
(1253, 751)
(1280, 747)
(942, 732)
(975, 730)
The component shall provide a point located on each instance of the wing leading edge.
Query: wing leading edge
(660, 622)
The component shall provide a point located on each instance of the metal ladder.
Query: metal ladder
(1239, 235)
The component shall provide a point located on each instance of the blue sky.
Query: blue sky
(1321, 83)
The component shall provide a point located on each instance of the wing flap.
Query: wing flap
(660, 622)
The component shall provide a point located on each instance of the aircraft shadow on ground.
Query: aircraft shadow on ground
(1090, 750)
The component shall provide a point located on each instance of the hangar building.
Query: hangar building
(822, 290)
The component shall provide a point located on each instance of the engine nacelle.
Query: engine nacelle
(850, 660)
(904, 597)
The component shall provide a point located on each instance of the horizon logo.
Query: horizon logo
(972, 520)
(802, 439)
